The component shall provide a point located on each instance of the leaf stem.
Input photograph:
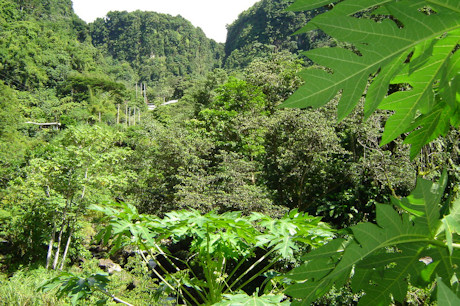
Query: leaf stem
(252, 267)
(113, 297)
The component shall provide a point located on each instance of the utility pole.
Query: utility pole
(118, 114)
(134, 116)
(126, 114)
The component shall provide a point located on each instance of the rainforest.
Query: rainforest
(311, 159)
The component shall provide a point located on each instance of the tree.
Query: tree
(82, 166)
(389, 42)
(267, 28)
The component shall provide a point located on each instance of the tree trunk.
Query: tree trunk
(84, 187)
(58, 247)
(50, 246)
(66, 249)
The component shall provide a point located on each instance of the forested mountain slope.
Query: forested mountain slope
(156, 45)
(241, 186)
(267, 27)
(39, 47)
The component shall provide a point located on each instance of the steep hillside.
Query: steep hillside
(267, 27)
(157, 45)
(59, 15)
(42, 43)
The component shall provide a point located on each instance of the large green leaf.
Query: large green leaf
(416, 45)
(445, 296)
(424, 202)
(421, 96)
(385, 255)
(242, 299)
(451, 224)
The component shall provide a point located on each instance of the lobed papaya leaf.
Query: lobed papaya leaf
(246, 300)
(445, 296)
(382, 48)
(421, 96)
(385, 255)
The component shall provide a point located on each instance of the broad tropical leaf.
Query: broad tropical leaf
(242, 299)
(417, 46)
(445, 295)
(384, 255)
(421, 96)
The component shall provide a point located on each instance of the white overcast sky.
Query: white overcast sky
(210, 15)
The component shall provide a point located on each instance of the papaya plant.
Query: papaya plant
(382, 43)
(80, 288)
(413, 43)
(227, 251)
(415, 243)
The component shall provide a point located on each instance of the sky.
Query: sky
(211, 16)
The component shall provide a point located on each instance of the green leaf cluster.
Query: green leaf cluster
(76, 288)
(221, 244)
(381, 259)
(242, 299)
(156, 45)
(413, 43)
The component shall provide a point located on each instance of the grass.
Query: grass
(21, 289)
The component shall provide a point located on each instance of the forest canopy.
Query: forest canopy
(143, 163)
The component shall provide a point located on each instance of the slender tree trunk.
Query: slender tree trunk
(253, 175)
(58, 247)
(50, 246)
(84, 187)
(66, 249)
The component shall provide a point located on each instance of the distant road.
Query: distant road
(153, 106)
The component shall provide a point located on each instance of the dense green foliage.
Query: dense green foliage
(266, 28)
(386, 255)
(212, 198)
(158, 46)
(414, 43)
